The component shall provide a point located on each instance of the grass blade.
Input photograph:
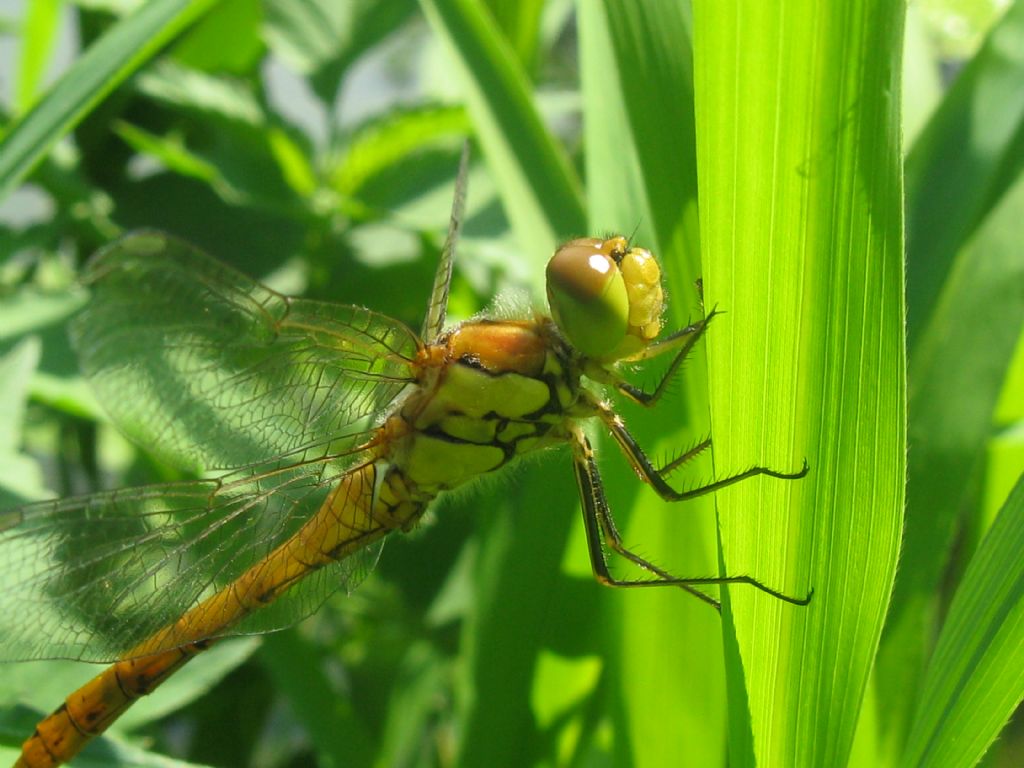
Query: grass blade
(113, 58)
(964, 273)
(801, 224)
(975, 680)
(538, 186)
(962, 163)
(39, 33)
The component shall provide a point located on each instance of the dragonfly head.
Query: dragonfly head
(605, 296)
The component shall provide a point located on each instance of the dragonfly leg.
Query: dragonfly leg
(656, 477)
(682, 341)
(685, 456)
(600, 529)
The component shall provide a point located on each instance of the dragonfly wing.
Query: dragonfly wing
(212, 370)
(93, 576)
(437, 309)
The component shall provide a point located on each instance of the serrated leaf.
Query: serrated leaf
(385, 143)
(191, 90)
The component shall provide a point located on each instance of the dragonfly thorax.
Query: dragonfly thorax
(491, 391)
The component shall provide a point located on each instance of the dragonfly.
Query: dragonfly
(321, 429)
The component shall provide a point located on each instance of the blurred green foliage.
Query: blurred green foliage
(313, 145)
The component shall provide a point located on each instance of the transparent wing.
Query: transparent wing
(211, 370)
(93, 576)
(437, 309)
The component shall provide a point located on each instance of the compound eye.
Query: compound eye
(588, 297)
(642, 276)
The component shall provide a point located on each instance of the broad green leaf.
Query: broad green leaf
(801, 227)
(252, 161)
(176, 157)
(538, 187)
(975, 679)
(236, 181)
(191, 91)
(120, 52)
(308, 34)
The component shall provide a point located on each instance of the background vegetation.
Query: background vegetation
(768, 147)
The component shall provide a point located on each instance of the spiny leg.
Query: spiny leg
(655, 477)
(600, 527)
(685, 456)
(683, 339)
(597, 523)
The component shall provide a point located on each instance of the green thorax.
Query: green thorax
(490, 391)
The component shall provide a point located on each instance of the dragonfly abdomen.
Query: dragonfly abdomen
(355, 514)
(92, 708)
